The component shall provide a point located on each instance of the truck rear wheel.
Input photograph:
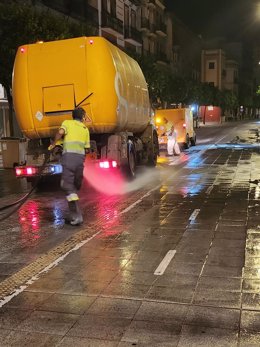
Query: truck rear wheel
(152, 158)
(187, 142)
(130, 167)
(193, 140)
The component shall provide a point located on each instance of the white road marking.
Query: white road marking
(208, 191)
(164, 263)
(138, 201)
(34, 278)
(194, 214)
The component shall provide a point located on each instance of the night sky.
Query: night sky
(233, 19)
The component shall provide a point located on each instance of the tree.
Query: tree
(229, 101)
(168, 88)
(22, 23)
(158, 79)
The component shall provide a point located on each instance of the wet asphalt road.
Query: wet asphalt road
(171, 259)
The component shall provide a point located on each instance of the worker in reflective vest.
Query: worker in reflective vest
(76, 144)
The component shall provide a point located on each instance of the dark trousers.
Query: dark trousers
(72, 174)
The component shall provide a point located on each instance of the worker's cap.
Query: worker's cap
(78, 113)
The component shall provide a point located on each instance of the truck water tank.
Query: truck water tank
(51, 78)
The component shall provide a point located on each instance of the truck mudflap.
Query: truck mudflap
(117, 148)
(121, 152)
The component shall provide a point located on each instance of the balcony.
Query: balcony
(144, 24)
(111, 25)
(137, 2)
(151, 3)
(152, 32)
(161, 29)
(133, 36)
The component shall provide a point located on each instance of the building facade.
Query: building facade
(221, 63)
(219, 71)
(137, 26)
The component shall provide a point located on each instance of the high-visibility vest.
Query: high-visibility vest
(76, 137)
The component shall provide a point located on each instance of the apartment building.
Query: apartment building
(137, 26)
(231, 76)
(119, 22)
(218, 70)
(154, 30)
(213, 66)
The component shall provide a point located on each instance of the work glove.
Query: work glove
(51, 147)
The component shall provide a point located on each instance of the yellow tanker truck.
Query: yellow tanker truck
(51, 78)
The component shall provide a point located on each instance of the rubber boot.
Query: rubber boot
(71, 215)
(75, 213)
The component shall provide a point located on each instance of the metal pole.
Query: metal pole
(99, 17)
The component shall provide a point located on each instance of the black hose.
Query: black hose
(22, 200)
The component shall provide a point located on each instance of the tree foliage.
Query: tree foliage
(256, 99)
(166, 88)
(229, 101)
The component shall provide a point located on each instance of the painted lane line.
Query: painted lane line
(138, 201)
(194, 214)
(208, 191)
(164, 263)
(55, 263)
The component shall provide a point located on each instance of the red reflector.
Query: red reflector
(18, 172)
(22, 50)
(91, 42)
(184, 125)
(30, 171)
(107, 164)
(26, 171)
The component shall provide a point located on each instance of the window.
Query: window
(104, 5)
(133, 19)
(113, 8)
(211, 65)
(126, 16)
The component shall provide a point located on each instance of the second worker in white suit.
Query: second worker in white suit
(172, 144)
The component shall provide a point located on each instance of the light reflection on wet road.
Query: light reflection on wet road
(205, 208)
